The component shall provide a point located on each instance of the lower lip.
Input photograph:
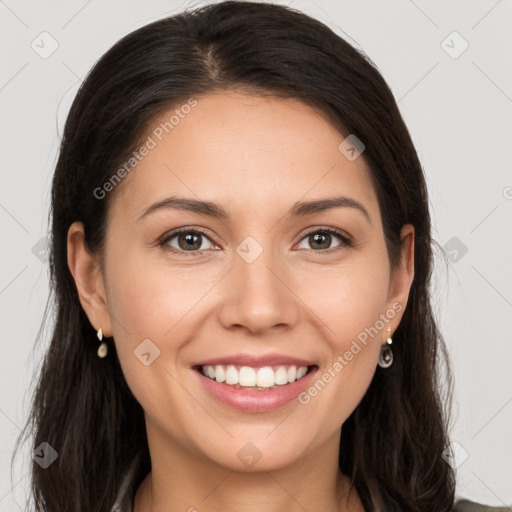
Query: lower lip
(251, 400)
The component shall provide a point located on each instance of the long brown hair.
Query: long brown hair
(391, 445)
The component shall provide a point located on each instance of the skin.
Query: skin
(256, 157)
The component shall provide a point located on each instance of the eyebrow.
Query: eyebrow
(210, 209)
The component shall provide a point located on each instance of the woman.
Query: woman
(241, 257)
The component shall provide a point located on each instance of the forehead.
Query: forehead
(248, 152)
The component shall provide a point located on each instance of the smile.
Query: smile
(255, 389)
(260, 378)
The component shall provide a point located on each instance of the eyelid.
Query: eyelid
(162, 240)
(346, 239)
(328, 229)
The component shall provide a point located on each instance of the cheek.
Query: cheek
(147, 305)
(350, 297)
(153, 308)
(142, 306)
(150, 299)
(352, 309)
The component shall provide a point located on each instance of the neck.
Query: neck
(181, 481)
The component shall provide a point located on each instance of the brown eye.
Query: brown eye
(187, 241)
(321, 239)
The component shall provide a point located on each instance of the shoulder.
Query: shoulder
(463, 505)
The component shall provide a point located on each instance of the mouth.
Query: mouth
(258, 378)
(254, 383)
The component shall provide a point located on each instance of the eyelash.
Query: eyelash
(163, 241)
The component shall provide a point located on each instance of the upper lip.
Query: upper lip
(255, 361)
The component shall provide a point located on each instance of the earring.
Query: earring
(386, 354)
(103, 348)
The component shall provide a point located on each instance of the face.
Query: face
(257, 293)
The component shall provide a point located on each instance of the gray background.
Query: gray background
(458, 108)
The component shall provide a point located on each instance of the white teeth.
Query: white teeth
(301, 372)
(281, 376)
(245, 376)
(265, 377)
(220, 374)
(231, 375)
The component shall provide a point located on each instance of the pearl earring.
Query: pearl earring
(103, 348)
(386, 354)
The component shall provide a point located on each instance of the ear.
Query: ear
(402, 277)
(86, 271)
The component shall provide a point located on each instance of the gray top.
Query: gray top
(126, 494)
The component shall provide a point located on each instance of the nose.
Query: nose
(258, 295)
